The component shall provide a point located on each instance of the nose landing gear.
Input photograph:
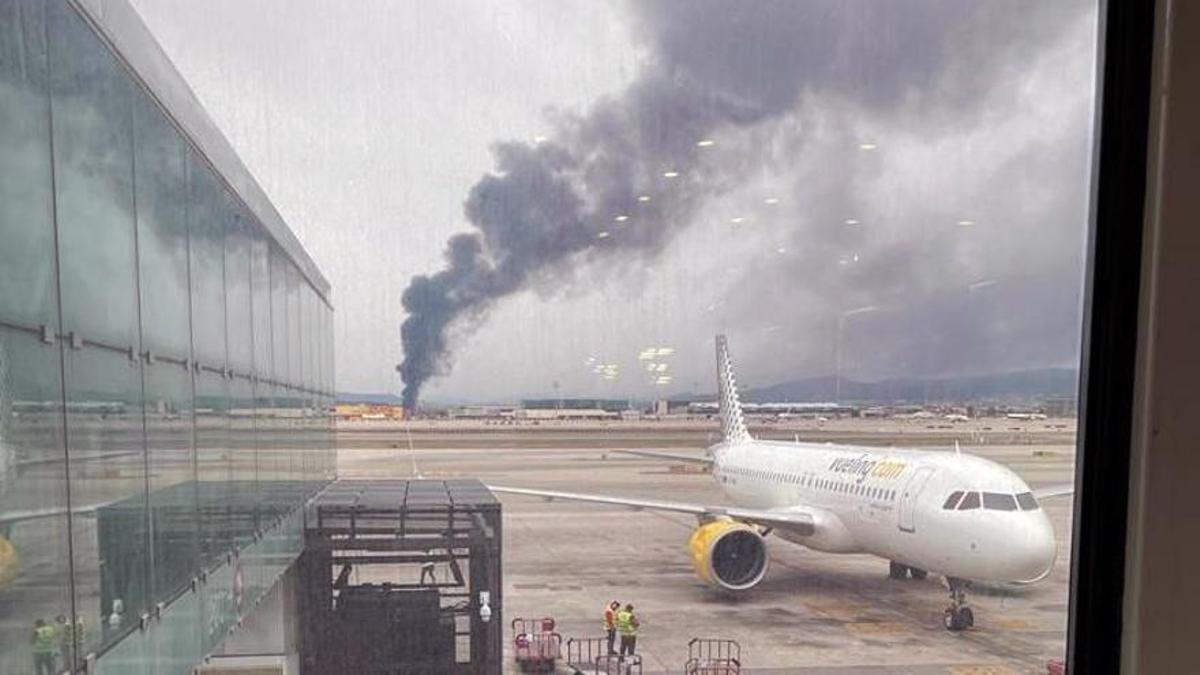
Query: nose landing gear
(958, 615)
(899, 571)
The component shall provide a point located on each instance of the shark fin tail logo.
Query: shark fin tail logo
(733, 423)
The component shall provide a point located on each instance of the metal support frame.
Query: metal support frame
(386, 530)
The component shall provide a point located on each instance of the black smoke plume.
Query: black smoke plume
(714, 67)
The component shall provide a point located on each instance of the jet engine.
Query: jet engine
(728, 554)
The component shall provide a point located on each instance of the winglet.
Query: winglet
(733, 424)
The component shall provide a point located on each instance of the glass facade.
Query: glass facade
(165, 370)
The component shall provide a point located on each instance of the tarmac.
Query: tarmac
(813, 613)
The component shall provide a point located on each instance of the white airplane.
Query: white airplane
(960, 516)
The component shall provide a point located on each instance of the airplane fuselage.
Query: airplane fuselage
(900, 505)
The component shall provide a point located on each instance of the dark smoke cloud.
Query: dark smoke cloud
(714, 67)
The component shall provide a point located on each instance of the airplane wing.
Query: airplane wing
(10, 517)
(798, 521)
(1054, 491)
(690, 459)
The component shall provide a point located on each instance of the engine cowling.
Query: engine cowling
(8, 561)
(728, 554)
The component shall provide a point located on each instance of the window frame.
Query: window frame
(1125, 56)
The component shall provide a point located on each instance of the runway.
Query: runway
(813, 612)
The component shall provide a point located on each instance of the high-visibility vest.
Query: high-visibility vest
(45, 640)
(610, 618)
(627, 623)
(69, 632)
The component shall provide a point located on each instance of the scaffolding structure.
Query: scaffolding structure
(402, 576)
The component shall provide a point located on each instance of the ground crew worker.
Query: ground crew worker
(45, 644)
(65, 637)
(610, 625)
(427, 569)
(628, 624)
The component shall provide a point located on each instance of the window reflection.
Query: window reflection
(190, 377)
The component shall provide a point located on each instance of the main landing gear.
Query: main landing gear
(899, 571)
(958, 615)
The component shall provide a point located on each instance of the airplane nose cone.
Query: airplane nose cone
(1035, 551)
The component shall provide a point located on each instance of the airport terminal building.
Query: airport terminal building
(166, 358)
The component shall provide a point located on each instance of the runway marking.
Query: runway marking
(982, 670)
(863, 628)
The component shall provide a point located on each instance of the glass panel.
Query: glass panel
(218, 606)
(302, 335)
(322, 345)
(34, 553)
(330, 370)
(177, 636)
(214, 466)
(260, 291)
(279, 316)
(294, 330)
(327, 443)
(27, 294)
(131, 656)
(277, 498)
(237, 290)
(970, 501)
(93, 167)
(243, 492)
(108, 479)
(265, 452)
(207, 215)
(293, 438)
(312, 331)
(93, 163)
(160, 169)
(174, 527)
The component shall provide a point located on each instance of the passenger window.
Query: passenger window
(1027, 502)
(952, 500)
(996, 501)
(970, 501)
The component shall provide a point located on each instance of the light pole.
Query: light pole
(841, 325)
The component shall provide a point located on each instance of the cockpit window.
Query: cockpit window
(970, 501)
(996, 501)
(952, 500)
(1027, 502)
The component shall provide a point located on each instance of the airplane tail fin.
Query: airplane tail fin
(733, 425)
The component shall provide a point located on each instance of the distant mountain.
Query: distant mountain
(1023, 384)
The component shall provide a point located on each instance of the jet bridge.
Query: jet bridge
(401, 576)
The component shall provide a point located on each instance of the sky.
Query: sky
(877, 189)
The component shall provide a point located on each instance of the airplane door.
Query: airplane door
(908, 497)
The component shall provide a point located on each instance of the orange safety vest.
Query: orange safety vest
(610, 618)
